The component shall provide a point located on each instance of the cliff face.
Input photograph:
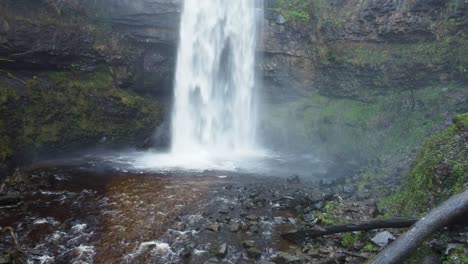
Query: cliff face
(358, 49)
(83, 73)
(364, 82)
(401, 52)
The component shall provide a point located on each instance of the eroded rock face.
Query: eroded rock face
(149, 21)
(340, 51)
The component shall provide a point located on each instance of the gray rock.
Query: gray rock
(326, 182)
(278, 220)
(288, 258)
(280, 19)
(309, 217)
(248, 243)
(211, 261)
(252, 217)
(222, 251)
(292, 220)
(235, 227)
(294, 179)
(5, 259)
(348, 189)
(254, 253)
(382, 239)
(214, 227)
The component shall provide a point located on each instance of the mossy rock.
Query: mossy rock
(64, 110)
(439, 170)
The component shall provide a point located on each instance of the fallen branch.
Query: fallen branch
(361, 226)
(443, 215)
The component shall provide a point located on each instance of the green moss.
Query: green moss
(461, 122)
(330, 214)
(380, 131)
(295, 11)
(349, 239)
(439, 169)
(457, 255)
(82, 107)
(399, 57)
(370, 248)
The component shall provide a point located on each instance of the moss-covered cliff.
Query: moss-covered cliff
(439, 169)
(69, 77)
(63, 110)
(364, 81)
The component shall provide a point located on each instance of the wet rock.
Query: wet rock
(235, 227)
(222, 251)
(309, 217)
(5, 259)
(211, 261)
(253, 229)
(260, 202)
(278, 220)
(244, 227)
(288, 258)
(280, 19)
(292, 220)
(214, 227)
(348, 189)
(252, 218)
(254, 253)
(382, 239)
(326, 182)
(248, 243)
(286, 198)
(319, 205)
(324, 251)
(254, 195)
(294, 179)
(9, 200)
(223, 211)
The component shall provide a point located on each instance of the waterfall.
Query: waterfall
(215, 91)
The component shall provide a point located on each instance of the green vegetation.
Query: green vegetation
(440, 169)
(448, 50)
(295, 11)
(381, 131)
(300, 13)
(457, 255)
(330, 214)
(370, 248)
(85, 107)
(348, 240)
(69, 108)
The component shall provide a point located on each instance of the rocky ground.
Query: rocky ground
(90, 215)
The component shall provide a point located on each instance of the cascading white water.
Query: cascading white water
(215, 98)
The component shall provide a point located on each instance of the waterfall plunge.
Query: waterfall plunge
(214, 114)
(215, 99)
